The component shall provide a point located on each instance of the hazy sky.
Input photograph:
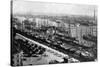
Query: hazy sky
(52, 8)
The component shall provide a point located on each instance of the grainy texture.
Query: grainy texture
(51, 33)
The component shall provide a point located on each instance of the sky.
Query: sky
(23, 7)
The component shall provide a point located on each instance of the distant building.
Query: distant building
(20, 18)
(44, 22)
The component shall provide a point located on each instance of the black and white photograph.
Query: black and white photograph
(45, 33)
